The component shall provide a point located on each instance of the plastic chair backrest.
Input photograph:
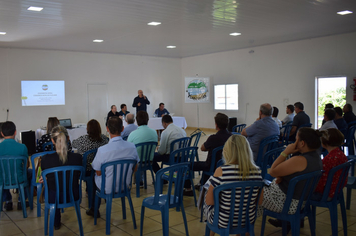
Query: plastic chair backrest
(86, 154)
(350, 140)
(47, 144)
(179, 143)
(240, 207)
(10, 177)
(66, 175)
(306, 125)
(183, 155)
(310, 181)
(196, 138)
(269, 158)
(33, 158)
(177, 175)
(267, 144)
(285, 135)
(342, 171)
(121, 177)
(220, 163)
(146, 152)
(238, 128)
(213, 159)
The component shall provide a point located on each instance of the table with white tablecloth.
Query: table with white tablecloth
(73, 133)
(156, 122)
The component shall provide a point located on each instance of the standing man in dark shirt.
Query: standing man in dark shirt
(300, 119)
(113, 112)
(140, 102)
(214, 141)
(348, 114)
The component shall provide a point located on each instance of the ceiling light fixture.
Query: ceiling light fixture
(98, 41)
(235, 34)
(31, 8)
(154, 23)
(171, 46)
(346, 12)
(2, 33)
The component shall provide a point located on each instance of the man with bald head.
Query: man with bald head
(140, 102)
(263, 127)
(130, 120)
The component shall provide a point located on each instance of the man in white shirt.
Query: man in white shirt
(329, 116)
(171, 133)
(290, 115)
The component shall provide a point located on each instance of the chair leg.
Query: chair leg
(312, 219)
(108, 214)
(132, 211)
(23, 201)
(207, 230)
(333, 219)
(79, 217)
(343, 214)
(39, 190)
(123, 206)
(185, 220)
(348, 198)
(46, 212)
(263, 224)
(165, 221)
(137, 176)
(52, 212)
(142, 218)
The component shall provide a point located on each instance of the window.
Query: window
(226, 97)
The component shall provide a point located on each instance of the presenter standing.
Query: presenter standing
(141, 102)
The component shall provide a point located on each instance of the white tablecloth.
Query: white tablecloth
(73, 133)
(156, 122)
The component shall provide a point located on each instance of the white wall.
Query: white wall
(271, 74)
(159, 78)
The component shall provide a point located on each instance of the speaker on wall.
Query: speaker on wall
(232, 123)
(29, 139)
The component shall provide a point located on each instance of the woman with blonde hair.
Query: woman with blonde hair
(62, 157)
(239, 166)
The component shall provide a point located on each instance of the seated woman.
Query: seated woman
(308, 160)
(239, 166)
(94, 139)
(51, 123)
(331, 140)
(62, 157)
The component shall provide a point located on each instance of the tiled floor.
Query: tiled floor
(12, 223)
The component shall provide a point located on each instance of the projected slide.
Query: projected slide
(42, 93)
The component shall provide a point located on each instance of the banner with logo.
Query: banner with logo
(197, 89)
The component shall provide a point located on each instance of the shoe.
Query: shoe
(188, 193)
(141, 184)
(8, 206)
(58, 226)
(197, 187)
(275, 222)
(19, 206)
(90, 212)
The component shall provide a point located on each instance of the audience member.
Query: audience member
(161, 111)
(349, 116)
(111, 113)
(239, 166)
(331, 140)
(214, 141)
(275, 115)
(51, 123)
(329, 116)
(263, 127)
(12, 148)
(117, 149)
(140, 102)
(123, 111)
(171, 133)
(327, 106)
(62, 157)
(340, 121)
(300, 119)
(290, 115)
(130, 120)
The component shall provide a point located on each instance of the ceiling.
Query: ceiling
(195, 27)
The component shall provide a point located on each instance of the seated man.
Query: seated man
(10, 147)
(117, 149)
(214, 141)
(123, 111)
(275, 117)
(329, 116)
(340, 121)
(171, 133)
(161, 111)
(143, 133)
(263, 127)
(290, 115)
(111, 113)
(300, 119)
(349, 116)
(327, 106)
(130, 119)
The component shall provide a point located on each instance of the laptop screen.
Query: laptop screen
(66, 123)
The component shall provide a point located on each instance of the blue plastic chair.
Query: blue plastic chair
(46, 145)
(239, 208)
(309, 125)
(238, 128)
(338, 198)
(284, 140)
(33, 181)
(310, 181)
(177, 144)
(89, 179)
(350, 140)
(121, 180)
(68, 174)
(267, 144)
(268, 160)
(11, 180)
(173, 197)
(196, 138)
(145, 152)
(351, 183)
(211, 171)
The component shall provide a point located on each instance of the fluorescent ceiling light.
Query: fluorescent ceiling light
(171, 46)
(98, 41)
(2, 33)
(235, 34)
(31, 8)
(346, 12)
(154, 23)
